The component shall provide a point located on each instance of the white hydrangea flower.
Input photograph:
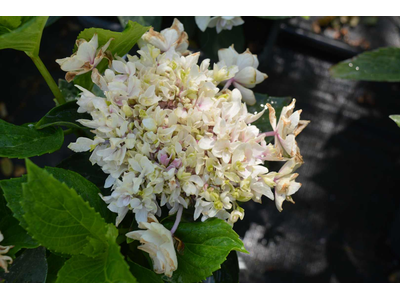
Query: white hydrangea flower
(84, 59)
(173, 39)
(222, 23)
(157, 241)
(247, 75)
(4, 260)
(284, 181)
(168, 136)
(288, 127)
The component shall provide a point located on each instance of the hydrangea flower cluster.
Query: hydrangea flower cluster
(168, 136)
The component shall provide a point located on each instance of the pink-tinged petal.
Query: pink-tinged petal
(177, 163)
(164, 159)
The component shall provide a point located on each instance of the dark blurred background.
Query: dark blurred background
(345, 225)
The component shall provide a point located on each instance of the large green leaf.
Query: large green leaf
(79, 163)
(86, 189)
(379, 65)
(22, 33)
(58, 218)
(63, 115)
(154, 21)
(206, 246)
(27, 141)
(107, 267)
(262, 99)
(122, 43)
(29, 267)
(12, 189)
(396, 119)
(10, 23)
(13, 233)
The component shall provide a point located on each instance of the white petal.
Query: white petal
(202, 22)
(82, 144)
(228, 55)
(150, 124)
(247, 77)
(206, 143)
(109, 181)
(245, 59)
(119, 66)
(247, 94)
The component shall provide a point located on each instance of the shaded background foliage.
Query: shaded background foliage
(343, 227)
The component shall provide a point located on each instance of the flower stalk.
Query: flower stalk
(59, 98)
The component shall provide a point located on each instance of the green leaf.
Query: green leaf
(379, 65)
(86, 189)
(24, 35)
(11, 22)
(57, 216)
(154, 21)
(262, 99)
(144, 275)
(107, 267)
(206, 246)
(79, 163)
(68, 90)
(13, 233)
(63, 115)
(27, 141)
(396, 118)
(29, 267)
(122, 43)
(12, 189)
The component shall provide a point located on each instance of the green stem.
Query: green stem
(68, 131)
(49, 80)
